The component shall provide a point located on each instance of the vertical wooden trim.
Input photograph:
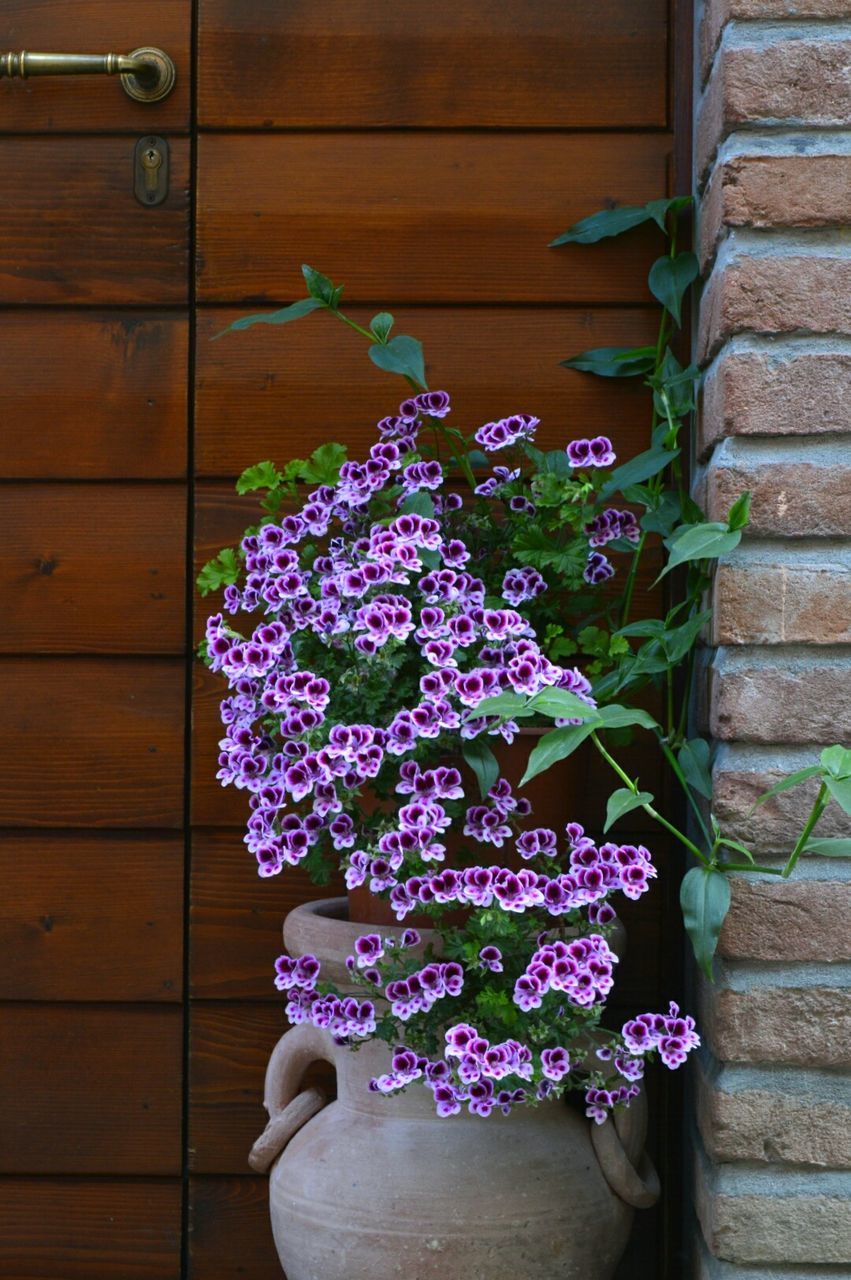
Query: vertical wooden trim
(681, 91)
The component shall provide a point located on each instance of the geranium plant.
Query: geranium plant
(411, 611)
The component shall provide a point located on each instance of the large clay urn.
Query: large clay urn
(372, 1188)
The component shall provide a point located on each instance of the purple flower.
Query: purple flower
(499, 435)
(555, 1063)
(368, 949)
(490, 957)
(598, 569)
(591, 453)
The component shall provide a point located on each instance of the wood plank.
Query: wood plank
(65, 934)
(90, 1089)
(94, 568)
(444, 64)
(279, 392)
(87, 1229)
(212, 804)
(84, 103)
(425, 217)
(73, 231)
(236, 918)
(103, 395)
(229, 1233)
(97, 743)
(230, 1045)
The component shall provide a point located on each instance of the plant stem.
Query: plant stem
(819, 805)
(648, 808)
(680, 776)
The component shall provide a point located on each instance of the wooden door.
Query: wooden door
(422, 153)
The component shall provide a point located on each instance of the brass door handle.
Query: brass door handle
(146, 74)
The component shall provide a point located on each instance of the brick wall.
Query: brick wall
(773, 166)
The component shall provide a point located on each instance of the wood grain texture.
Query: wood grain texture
(229, 1233)
(97, 743)
(426, 217)
(90, 1089)
(100, 395)
(66, 934)
(93, 568)
(229, 1048)
(311, 63)
(73, 231)
(278, 392)
(236, 918)
(83, 103)
(89, 1229)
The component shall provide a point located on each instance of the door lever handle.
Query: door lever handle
(146, 74)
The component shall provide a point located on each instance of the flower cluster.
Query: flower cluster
(387, 608)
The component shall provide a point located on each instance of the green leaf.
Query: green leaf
(561, 703)
(553, 747)
(705, 900)
(613, 222)
(263, 475)
(613, 362)
(482, 761)
(220, 572)
(320, 287)
(659, 209)
(381, 325)
(293, 312)
(678, 641)
(420, 503)
(624, 801)
(836, 761)
(644, 627)
(323, 466)
(615, 717)
(739, 513)
(693, 759)
(663, 518)
(739, 848)
(669, 278)
(787, 783)
(840, 789)
(401, 355)
(647, 464)
(699, 542)
(601, 225)
(830, 848)
(507, 705)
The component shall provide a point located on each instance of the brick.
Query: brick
(717, 13)
(775, 1229)
(774, 190)
(796, 598)
(762, 1127)
(742, 774)
(803, 920)
(774, 293)
(784, 392)
(796, 492)
(792, 1026)
(774, 81)
(759, 697)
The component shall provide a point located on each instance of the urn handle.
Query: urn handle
(288, 1106)
(619, 1147)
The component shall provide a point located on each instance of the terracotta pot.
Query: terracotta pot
(374, 1187)
(557, 797)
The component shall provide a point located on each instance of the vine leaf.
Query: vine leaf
(705, 901)
(401, 354)
(622, 802)
(669, 278)
(555, 746)
(482, 761)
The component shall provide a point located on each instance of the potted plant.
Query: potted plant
(415, 615)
